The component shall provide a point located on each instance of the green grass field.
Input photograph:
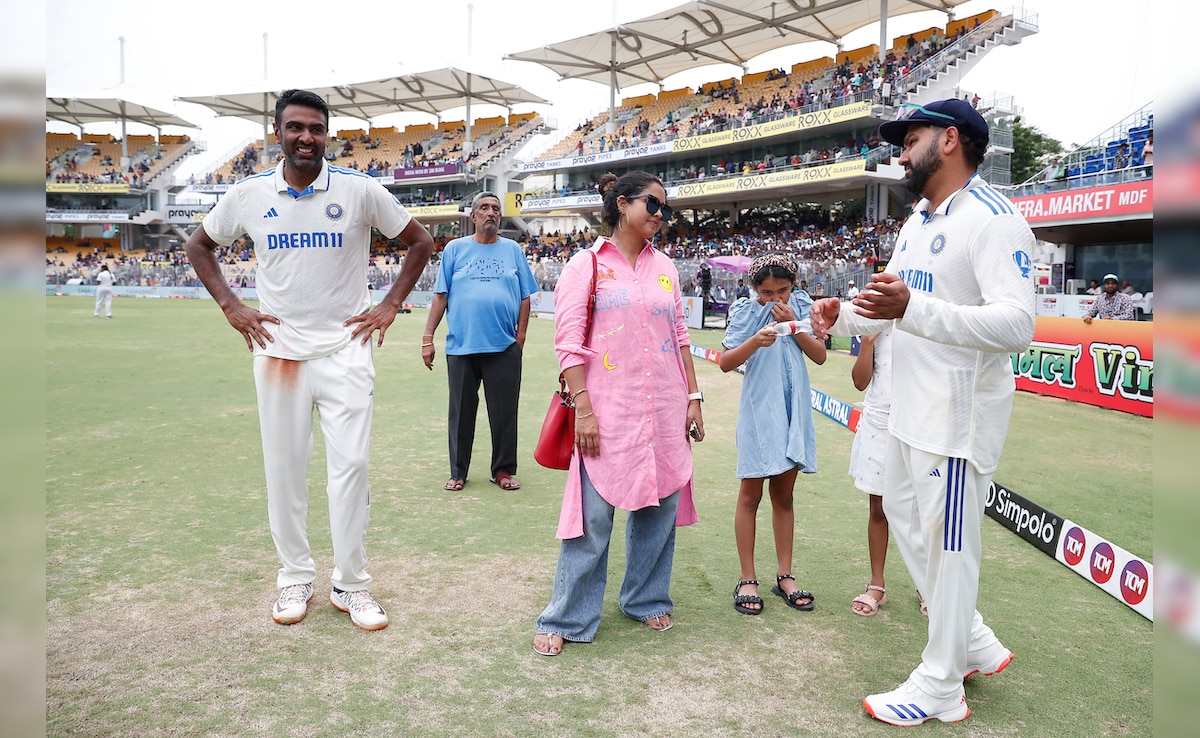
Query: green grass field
(160, 568)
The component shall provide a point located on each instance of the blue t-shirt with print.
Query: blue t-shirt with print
(484, 285)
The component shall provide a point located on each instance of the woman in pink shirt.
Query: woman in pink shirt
(636, 399)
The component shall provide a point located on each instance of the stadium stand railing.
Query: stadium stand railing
(1097, 162)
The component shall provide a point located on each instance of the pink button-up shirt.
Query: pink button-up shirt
(635, 380)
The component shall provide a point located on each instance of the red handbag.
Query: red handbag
(556, 442)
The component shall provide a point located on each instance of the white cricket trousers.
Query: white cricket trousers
(103, 300)
(934, 506)
(340, 387)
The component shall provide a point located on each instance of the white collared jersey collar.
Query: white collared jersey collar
(320, 183)
(976, 188)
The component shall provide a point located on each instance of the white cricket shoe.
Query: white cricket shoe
(364, 611)
(988, 661)
(907, 705)
(292, 605)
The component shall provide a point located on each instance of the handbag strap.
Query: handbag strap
(587, 332)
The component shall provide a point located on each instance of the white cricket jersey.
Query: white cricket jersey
(312, 249)
(968, 268)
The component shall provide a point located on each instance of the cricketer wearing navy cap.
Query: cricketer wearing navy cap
(958, 297)
(944, 113)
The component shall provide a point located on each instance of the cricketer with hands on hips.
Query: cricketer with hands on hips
(311, 223)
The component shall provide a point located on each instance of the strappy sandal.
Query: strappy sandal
(869, 603)
(791, 599)
(740, 600)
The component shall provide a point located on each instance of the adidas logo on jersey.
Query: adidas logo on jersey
(271, 214)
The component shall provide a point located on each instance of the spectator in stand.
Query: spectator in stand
(851, 290)
(1095, 288)
(1127, 288)
(1120, 159)
(1112, 304)
(1148, 155)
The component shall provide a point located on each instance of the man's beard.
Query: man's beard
(923, 169)
(303, 165)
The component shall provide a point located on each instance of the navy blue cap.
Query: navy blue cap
(945, 113)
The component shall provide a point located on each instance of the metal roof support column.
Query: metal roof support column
(612, 88)
(467, 144)
(262, 156)
(883, 27)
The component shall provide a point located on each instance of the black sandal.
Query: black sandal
(799, 594)
(740, 600)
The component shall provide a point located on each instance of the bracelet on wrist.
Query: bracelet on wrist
(579, 415)
(577, 393)
(427, 344)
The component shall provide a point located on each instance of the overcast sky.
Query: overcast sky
(1087, 68)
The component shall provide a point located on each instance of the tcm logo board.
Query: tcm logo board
(1102, 562)
(1074, 544)
(1110, 567)
(1135, 582)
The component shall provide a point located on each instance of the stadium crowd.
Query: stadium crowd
(873, 80)
(826, 252)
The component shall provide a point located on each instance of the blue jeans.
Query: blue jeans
(582, 572)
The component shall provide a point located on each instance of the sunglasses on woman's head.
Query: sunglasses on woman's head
(653, 205)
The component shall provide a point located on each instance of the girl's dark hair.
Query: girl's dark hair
(772, 270)
(628, 185)
(778, 266)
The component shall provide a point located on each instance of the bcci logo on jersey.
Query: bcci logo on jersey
(333, 211)
(1024, 263)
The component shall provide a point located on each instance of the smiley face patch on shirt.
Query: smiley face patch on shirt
(665, 282)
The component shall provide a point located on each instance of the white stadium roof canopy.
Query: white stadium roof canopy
(705, 32)
(425, 92)
(80, 111)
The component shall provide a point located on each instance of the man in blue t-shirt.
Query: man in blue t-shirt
(483, 286)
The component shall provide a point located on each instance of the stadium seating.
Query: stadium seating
(717, 98)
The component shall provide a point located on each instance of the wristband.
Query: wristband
(696, 396)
